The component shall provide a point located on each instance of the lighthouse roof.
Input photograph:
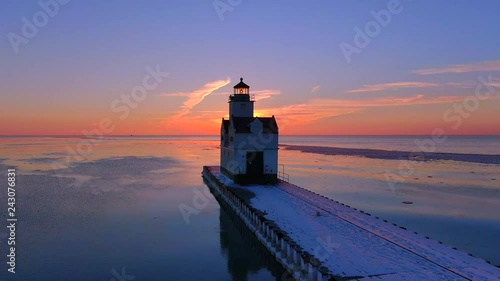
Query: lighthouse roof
(242, 124)
(241, 85)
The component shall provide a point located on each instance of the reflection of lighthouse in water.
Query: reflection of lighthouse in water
(241, 247)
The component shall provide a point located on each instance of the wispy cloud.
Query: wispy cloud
(315, 89)
(197, 96)
(301, 113)
(306, 112)
(392, 86)
(392, 101)
(185, 120)
(316, 109)
(464, 84)
(265, 94)
(179, 94)
(462, 68)
(495, 83)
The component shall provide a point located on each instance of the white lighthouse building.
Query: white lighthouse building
(249, 144)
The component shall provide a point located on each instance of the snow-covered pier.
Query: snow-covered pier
(316, 238)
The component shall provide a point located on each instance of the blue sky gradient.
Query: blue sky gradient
(91, 52)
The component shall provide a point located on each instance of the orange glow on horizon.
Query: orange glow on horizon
(200, 112)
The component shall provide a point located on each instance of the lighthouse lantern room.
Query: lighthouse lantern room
(249, 145)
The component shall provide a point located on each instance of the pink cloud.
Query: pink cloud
(392, 86)
(315, 89)
(197, 96)
(462, 68)
(316, 109)
(495, 83)
(265, 94)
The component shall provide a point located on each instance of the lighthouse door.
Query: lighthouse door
(255, 163)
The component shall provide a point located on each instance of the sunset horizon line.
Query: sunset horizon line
(216, 135)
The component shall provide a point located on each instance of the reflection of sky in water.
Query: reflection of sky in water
(119, 208)
(119, 205)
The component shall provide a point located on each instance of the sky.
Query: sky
(73, 67)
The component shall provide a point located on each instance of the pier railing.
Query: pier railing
(232, 97)
(302, 265)
(281, 173)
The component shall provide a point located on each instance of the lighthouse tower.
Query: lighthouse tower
(249, 144)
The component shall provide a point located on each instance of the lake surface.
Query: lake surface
(137, 206)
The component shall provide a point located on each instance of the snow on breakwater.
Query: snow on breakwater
(367, 248)
(301, 264)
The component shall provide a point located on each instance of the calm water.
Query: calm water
(117, 209)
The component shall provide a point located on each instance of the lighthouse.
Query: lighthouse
(249, 144)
